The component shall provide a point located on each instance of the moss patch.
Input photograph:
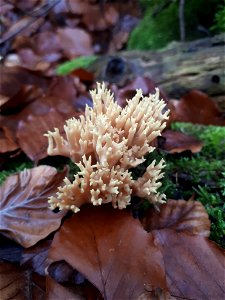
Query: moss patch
(202, 174)
(14, 167)
(160, 22)
(82, 62)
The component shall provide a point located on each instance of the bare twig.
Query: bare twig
(182, 20)
(28, 20)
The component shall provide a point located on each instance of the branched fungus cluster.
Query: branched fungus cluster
(105, 143)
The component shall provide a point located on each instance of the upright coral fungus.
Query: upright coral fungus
(105, 143)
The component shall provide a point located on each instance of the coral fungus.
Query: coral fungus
(105, 143)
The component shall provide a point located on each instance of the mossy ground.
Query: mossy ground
(202, 174)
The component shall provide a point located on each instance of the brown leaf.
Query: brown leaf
(61, 272)
(177, 142)
(16, 83)
(6, 140)
(83, 75)
(111, 250)
(157, 294)
(63, 88)
(180, 215)
(25, 216)
(75, 42)
(17, 283)
(30, 133)
(197, 107)
(12, 78)
(78, 6)
(37, 257)
(47, 42)
(194, 265)
(99, 20)
(56, 291)
(26, 24)
(147, 85)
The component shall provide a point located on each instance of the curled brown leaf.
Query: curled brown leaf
(181, 216)
(25, 216)
(177, 142)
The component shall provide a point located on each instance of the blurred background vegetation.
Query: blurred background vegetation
(161, 22)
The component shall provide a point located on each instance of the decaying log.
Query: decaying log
(176, 69)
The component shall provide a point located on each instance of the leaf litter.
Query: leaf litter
(100, 252)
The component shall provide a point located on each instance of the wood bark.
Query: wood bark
(176, 69)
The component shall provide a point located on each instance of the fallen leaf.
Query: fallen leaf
(75, 42)
(146, 84)
(157, 294)
(17, 283)
(24, 213)
(26, 24)
(12, 78)
(194, 265)
(10, 251)
(196, 107)
(56, 291)
(63, 87)
(78, 6)
(83, 75)
(177, 142)
(60, 271)
(47, 42)
(6, 140)
(111, 250)
(30, 133)
(121, 31)
(36, 257)
(100, 19)
(180, 215)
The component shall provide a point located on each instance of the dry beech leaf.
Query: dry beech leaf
(194, 265)
(14, 78)
(63, 88)
(177, 142)
(6, 140)
(112, 250)
(24, 213)
(56, 291)
(147, 85)
(196, 107)
(78, 6)
(19, 284)
(30, 133)
(62, 275)
(75, 42)
(99, 20)
(47, 42)
(157, 294)
(180, 215)
(36, 257)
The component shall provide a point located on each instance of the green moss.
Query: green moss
(202, 173)
(152, 32)
(77, 63)
(160, 23)
(215, 207)
(14, 167)
(219, 25)
(212, 136)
